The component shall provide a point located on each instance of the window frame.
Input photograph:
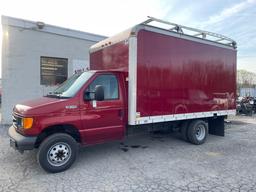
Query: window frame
(41, 75)
(118, 90)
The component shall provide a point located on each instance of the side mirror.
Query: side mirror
(99, 93)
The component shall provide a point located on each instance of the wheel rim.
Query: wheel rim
(59, 154)
(200, 132)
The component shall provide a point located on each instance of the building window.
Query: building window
(54, 71)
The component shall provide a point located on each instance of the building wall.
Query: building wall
(21, 52)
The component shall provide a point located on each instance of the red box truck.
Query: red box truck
(144, 78)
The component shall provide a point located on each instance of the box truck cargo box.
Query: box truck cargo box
(171, 75)
(147, 77)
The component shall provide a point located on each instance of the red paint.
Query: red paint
(95, 125)
(173, 76)
(182, 76)
(107, 121)
(112, 57)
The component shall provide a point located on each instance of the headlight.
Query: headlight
(27, 122)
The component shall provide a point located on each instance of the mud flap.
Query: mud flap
(216, 126)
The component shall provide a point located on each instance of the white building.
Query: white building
(36, 57)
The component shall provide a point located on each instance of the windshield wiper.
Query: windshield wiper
(56, 95)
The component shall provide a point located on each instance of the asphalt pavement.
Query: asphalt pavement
(150, 162)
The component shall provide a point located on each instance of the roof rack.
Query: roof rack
(193, 32)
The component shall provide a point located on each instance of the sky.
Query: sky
(233, 18)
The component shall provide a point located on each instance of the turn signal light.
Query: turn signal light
(27, 122)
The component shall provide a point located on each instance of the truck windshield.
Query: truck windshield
(71, 86)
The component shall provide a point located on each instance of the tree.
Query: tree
(246, 79)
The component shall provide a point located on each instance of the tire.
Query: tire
(57, 152)
(197, 132)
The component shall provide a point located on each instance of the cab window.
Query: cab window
(110, 85)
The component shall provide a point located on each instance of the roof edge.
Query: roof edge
(47, 28)
(133, 31)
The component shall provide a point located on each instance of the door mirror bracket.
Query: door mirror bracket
(99, 93)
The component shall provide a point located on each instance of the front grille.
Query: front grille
(16, 121)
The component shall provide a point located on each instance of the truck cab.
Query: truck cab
(90, 108)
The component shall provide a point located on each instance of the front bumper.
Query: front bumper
(20, 142)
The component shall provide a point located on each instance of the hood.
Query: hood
(41, 106)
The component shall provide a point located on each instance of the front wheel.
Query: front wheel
(197, 132)
(57, 152)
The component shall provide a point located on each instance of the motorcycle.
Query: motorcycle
(245, 106)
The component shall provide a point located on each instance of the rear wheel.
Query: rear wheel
(197, 132)
(57, 152)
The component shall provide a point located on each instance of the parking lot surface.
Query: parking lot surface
(152, 162)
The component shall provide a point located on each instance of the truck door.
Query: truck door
(103, 120)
